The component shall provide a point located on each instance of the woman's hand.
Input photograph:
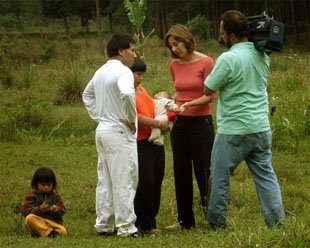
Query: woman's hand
(184, 106)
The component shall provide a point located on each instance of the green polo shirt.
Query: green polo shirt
(240, 76)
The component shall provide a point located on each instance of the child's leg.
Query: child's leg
(37, 225)
(171, 125)
(43, 227)
(60, 229)
(159, 140)
(154, 134)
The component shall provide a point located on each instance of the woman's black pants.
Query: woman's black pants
(192, 140)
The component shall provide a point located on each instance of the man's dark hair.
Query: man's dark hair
(118, 42)
(235, 22)
(43, 175)
(138, 65)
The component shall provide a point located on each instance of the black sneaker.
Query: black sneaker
(137, 234)
(52, 234)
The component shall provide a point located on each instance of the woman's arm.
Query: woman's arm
(198, 101)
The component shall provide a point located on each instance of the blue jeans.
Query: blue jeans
(228, 152)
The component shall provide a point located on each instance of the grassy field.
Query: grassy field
(43, 123)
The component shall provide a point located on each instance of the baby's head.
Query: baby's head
(162, 94)
(44, 179)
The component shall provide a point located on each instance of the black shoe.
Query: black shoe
(52, 234)
(105, 234)
(137, 234)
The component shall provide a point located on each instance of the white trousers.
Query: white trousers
(117, 183)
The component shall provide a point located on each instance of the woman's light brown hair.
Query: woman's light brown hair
(181, 33)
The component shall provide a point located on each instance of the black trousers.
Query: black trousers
(192, 140)
(151, 161)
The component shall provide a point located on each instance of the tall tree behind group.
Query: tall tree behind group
(59, 9)
(161, 14)
(136, 12)
(99, 27)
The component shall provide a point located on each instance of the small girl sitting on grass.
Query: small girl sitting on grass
(43, 208)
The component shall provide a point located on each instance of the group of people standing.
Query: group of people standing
(131, 167)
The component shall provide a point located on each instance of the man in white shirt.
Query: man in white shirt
(109, 99)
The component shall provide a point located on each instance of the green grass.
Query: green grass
(34, 132)
(74, 162)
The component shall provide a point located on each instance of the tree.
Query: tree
(59, 9)
(99, 27)
(163, 27)
(294, 21)
(136, 12)
(85, 9)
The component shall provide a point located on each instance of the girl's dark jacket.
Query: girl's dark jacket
(36, 198)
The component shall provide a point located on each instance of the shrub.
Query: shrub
(70, 88)
(8, 21)
(29, 116)
(200, 26)
(27, 77)
(7, 125)
(49, 53)
(6, 76)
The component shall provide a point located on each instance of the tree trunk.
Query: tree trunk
(164, 17)
(202, 8)
(188, 15)
(307, 8)
(66, 25)
(236, 4)
(111, 23)
(210, 16)
(87, 25)
(216, 17)
(294, 21)
(99, 28)
(160, 23)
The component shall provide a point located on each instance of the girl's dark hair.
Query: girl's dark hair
(235, 22)
(43, 175)
(181, 33)
(118, 42)
(138, 65)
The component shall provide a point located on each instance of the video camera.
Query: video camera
(266, 33)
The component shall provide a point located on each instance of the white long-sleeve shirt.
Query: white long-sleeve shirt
(110, 96)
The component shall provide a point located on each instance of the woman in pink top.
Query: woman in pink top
(193, 132)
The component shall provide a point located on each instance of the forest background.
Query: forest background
(49, 50)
